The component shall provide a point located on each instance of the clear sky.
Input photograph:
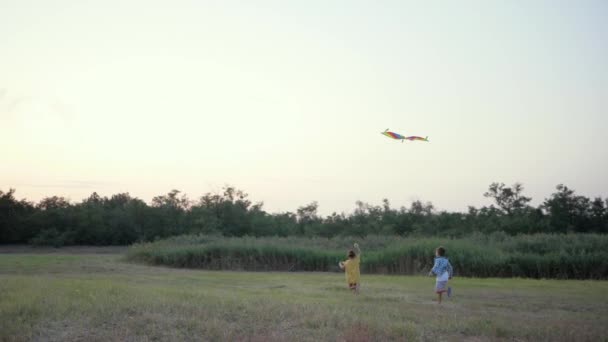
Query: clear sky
(286, 99)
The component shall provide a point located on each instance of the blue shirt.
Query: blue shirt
(441, 265)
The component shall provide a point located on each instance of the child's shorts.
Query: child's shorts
(441, 286)
(352, 286)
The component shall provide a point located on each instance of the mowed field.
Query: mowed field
(94, 295)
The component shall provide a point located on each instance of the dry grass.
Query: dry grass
(98, 297)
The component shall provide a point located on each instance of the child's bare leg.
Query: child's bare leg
(439, 298)
(357, 289)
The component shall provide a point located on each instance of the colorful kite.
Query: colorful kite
(398, 136)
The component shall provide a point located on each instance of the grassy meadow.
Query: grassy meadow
(83, 296)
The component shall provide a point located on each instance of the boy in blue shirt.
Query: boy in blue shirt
(442, 269)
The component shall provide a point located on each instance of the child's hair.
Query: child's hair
(440, 250)
(351, 254)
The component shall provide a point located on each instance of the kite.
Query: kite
(398, 136)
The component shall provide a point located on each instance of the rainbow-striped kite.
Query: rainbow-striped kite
(398, 136)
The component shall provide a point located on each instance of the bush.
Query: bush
(571, 256)
(52, 237)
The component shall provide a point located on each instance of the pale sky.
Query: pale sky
(286, 99)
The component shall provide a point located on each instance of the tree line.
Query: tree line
(122, 219)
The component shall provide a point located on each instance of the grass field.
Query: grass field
(100, 297)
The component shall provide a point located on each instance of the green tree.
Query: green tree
(508, 199)
(308, 219)
(568, 212)
(171, 210)
(14, 214)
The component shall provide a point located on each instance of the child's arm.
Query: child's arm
(357, 249)
(341, 264)
(450, 270)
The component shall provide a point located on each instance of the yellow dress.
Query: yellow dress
(351, 266)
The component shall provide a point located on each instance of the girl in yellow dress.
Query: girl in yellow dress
(351, 267)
